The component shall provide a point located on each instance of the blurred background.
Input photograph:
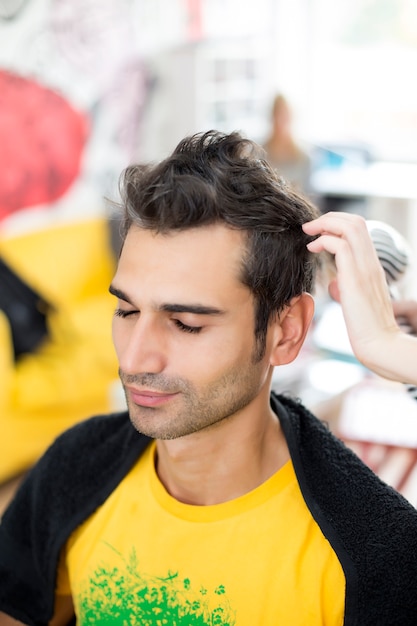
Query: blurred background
(88, 87)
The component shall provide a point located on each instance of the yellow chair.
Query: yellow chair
(70, 376)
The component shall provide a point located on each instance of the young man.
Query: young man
(222, 504)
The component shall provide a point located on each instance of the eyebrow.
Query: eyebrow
(119, 294)
(196, 309)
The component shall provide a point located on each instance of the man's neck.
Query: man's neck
(223, 462)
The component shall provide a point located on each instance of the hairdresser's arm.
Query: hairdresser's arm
(360, 287)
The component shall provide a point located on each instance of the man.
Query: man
(224, 504)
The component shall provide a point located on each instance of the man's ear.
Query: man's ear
(290, 329)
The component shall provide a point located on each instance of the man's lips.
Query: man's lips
(148, 397)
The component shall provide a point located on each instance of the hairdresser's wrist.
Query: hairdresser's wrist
(393, 356)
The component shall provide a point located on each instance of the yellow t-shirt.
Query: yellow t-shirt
(145, 558)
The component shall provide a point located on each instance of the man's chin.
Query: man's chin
(151, 430)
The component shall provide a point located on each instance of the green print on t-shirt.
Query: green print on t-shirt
(124, 595)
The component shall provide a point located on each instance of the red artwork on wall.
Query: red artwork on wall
(42, 138)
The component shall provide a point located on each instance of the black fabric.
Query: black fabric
(25, 309)
(371, 527)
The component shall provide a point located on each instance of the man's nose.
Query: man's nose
(145, 347)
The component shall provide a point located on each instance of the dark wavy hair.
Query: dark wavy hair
(213, 178)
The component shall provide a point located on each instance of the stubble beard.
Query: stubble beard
(192, 410)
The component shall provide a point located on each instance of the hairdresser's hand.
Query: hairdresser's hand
(361, 289)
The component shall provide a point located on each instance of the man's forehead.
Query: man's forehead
(215, 238)
(194, 265)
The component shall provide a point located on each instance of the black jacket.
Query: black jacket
(370, 526)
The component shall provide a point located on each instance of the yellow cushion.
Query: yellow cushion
(65, 263)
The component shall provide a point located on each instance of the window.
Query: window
(361, 74)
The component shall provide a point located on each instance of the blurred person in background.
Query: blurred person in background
(282, 149)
